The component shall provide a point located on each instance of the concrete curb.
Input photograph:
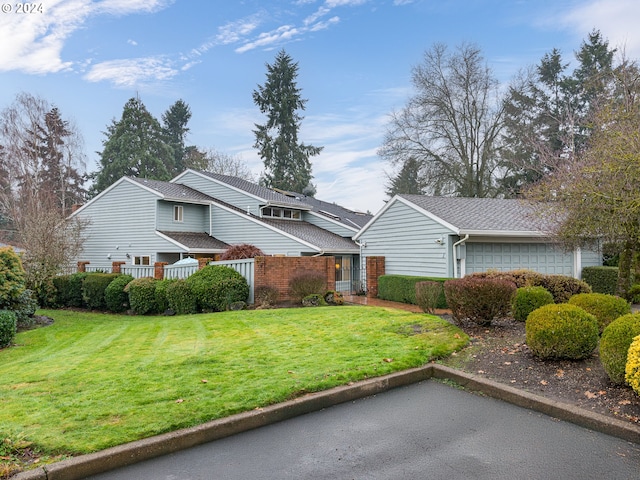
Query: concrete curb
(134, 452)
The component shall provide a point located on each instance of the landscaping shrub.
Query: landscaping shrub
(632, 370)
(428, 295)
(601, 279)
(521, 278)
(24, 308)
(266, 296)
(12, 277)
(561, 331)
(307, 283)
(115, 297)
(181, 298)
(563, 287)
(606, 308)
(217, 286)
(162, 301)
(241, 251)
(402, 288)
(528, 299)
(69, 290)
(333, 298)
(93, 288)
(634, 293)
(480, 300)
(614, 345)
(8, 324)
(313, 300)
(142, 295)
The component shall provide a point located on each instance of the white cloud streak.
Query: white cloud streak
(131, 72)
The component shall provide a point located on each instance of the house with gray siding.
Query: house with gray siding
(200, 214)
(450, 237)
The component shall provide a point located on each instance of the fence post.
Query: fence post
(375, 269)
(116, 267)
(82, 266)
(203, 262)
(158, 270)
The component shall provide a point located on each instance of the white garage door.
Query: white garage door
(541, 257)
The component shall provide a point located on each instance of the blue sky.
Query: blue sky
(355, 56)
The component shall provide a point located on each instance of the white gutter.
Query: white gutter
(459, 242)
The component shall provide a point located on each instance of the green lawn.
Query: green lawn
(91, 381)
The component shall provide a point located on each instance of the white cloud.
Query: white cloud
(36, 40)
(132, 72)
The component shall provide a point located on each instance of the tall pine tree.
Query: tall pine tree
(286, 159)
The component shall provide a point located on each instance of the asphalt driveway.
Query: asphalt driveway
(429, 430)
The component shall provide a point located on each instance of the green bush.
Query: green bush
(24, 308)
(162, 301)
(305, 284)
(480, 300)
(634, 293)
(402, 288)
(69, 290)
(428, 295)
(181, 298)
(215, 287)
(563, 287)
(12, 277)
(614, 345)
(142, 295)
(528, 299)
(214, 273)
(601, 279)
(632, 370)
(115, 297)
(8, 325)
(561, 331)
(93, 289)
(606, 308)
(314, 300)
(334, 298)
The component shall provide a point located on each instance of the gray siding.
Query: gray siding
(195, 217)
(319, 221)
(222, 192)
(123, 221)
(407, 240)
(234, 228)
(591, 258)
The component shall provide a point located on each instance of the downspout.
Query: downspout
(459, 242)
(319, 254)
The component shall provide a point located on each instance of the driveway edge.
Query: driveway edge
(85, 465)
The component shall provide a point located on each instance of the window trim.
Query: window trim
(139, 260)
(178, 213)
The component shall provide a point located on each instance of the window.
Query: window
(142, 260)
(177, 213)
(281, 213)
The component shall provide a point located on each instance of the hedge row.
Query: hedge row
(601, 279)
(402, 288)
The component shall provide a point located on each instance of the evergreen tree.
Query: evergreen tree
(175, 121)
(286, 161)
(135, 146)
(409, 180)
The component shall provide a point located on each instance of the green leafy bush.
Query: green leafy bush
(162, 301)
(12, 277)
(115, 297)
(632, 370)
(93, 289)
(24, 308)
(69, 290)
(428, 295)
(266, 296)
(181, 298)
(8, 325)
(480, 300)
(634, 293)
(402, 288)
(601, 279)
(314, 300)
(606, 308)
(216, 286)
(528, 299)
(561, 331)
(614, 345)
(333, 298)
(305, 284)
(142, 295)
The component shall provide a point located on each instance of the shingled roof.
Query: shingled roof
(196, 240)
(173, 191)
(319, 237)
(478, 215)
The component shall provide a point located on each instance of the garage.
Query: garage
(541, 257)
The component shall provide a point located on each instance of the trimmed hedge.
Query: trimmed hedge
(115, 296)
(402, 288)
(93, 289)
(561, 331)
(606, 308)
(632, 370)
(215, 287)
(181, 298)
(8, 327)
(69, 290)
(601, 279)
(528, 299)
(614, 345)
(142, 295)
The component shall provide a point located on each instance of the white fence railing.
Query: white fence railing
(179, 271)
(245, 268)
(138, 271)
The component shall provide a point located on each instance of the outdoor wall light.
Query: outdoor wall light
(128, 256)
(439, 241)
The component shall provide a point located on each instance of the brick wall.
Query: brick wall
(277, 271)
(375, 269)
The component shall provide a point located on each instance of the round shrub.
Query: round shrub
(606, 308)
(528, 299)
(8, 326)
(614, 345)
(563, 287)
(632, 371)
(561, 331)
(181, 298)
(216, 286)
(162, 301)
(12, 277)
(24, 308)
(214, 273)
(480, 300)
(142, 295)
(116, 299)
(93, 289)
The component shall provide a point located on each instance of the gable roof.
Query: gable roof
(193, 241)
(473, 216)
(173, 191)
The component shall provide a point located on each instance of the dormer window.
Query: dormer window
(277, 212)
(177, 213)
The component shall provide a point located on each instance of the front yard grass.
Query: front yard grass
(91, 381)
